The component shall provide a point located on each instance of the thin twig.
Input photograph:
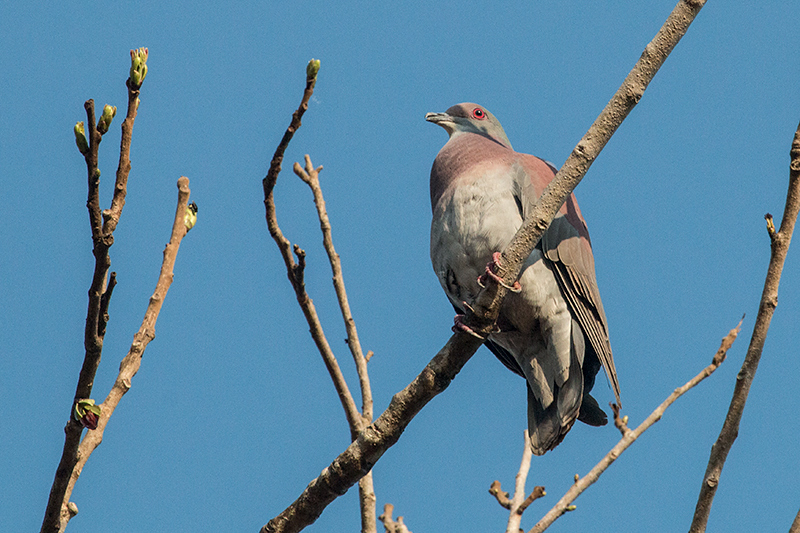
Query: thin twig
(94, 331)
(295, 270)
(780, 241)
(629, 436)
(362, 454)
(502, 497)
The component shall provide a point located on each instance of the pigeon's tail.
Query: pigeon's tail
(547, 426)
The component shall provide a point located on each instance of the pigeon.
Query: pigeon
(552, 328)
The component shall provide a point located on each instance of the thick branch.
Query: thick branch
(584, 154)
(362, 454)
(629, 436)
(769, 300)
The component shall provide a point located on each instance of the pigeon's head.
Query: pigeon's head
(470, 118)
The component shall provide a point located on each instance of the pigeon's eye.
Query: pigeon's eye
(478, 113)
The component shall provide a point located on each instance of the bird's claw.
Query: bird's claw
(491, 268)
(459, 326)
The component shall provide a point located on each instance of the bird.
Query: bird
(552, 329)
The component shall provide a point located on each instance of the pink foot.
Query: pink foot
(491, 269)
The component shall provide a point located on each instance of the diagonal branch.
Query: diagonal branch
(362, 454)
(780, 241)
(629, 436)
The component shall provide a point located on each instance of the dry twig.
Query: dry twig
(629, 436)
(362, 454)
(780, 241)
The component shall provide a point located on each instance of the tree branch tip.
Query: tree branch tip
(537, 492)
(501, 496)
(183, 181)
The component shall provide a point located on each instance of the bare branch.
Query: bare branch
(366, 490)
(111, 216)
(780, 241)
(362, 454)
(629, 436)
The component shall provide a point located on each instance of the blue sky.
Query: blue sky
(232, 413)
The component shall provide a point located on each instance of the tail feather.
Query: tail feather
(548, 426)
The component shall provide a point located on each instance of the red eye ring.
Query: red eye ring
(478, 113)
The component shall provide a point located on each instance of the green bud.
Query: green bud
(105, 120)
(138, 66)
(190, 218)
(80, 138)
(570, 508)
(312, 69)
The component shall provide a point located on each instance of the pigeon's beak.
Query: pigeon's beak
(444, 120)
(438, 118)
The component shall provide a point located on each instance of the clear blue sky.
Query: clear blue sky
(232, 413)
